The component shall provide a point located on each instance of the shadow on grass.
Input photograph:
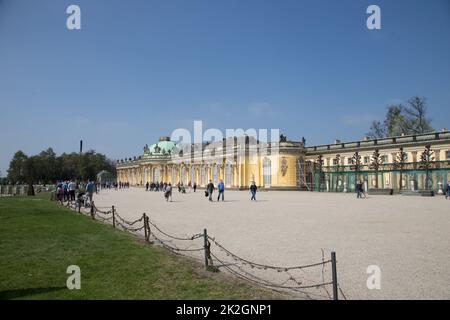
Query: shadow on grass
(19, 293)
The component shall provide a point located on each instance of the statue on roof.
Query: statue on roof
(282, 138)
(157, 149)
(146, 149)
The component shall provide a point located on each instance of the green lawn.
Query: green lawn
(40, 239)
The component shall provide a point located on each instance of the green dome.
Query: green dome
(160, 148)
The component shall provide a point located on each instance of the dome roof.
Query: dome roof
(160, 148)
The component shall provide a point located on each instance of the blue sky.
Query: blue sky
(140, 69)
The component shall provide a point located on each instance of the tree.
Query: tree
(399, 163)
(377, 161)
(403, 119)
(377, 130)
(337, 168)
(416, 121)
(319, 170)
(32, 168)
(356, 164)
(15, 171)
(426, 162)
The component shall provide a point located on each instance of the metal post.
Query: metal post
(205, 240)
(114, 217)
(334, 275)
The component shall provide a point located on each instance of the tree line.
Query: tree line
(46, 167)
(405, 118)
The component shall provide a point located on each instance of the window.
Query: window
(155, 174)
(349, 160)
(202, 176)
(215, 174)
(366, 159)
(193, 175)
(447, 154)
(174, 175)
(183, 175)
(335, 162)
(267, 172)
(228, 175)
(385, 158)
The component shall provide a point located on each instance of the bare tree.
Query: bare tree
(356, 164)
(377, 161)
(415, 116)
(399, 163)
(426, 162)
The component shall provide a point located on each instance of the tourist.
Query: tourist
(147, 185)
(221, 188)
(447, 191)
(253, 189)
(210, 189)
(359, 189)
(195, 186)
(66, 190)
(90, 190)
(72, 187)
(168, 192)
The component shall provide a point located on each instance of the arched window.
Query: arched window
(203, 176)
(228, 175)
(215, 174)
(267, 172)
(192, 174)
(174, 175)
(155, 175)
(182, 175)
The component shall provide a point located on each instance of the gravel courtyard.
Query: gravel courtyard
(407, 237)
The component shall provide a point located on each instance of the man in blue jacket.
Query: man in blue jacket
(221, 188)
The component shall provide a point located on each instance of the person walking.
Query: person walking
(253, 189)
(447, 191)
(195, 186)
(168, 192)
(147, 185)
(90, 190)
(359, 190)
(221, 188)
(210, 189)
(72, 187)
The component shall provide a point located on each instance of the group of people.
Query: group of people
(123, 185)
(221, 189)
(359, 188)
(65, 190)
(162, 186)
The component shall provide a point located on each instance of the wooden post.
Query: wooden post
(92, 211)
(145, 225)
(148, 228)
(334, 275)
(114, 216)
(205, 240)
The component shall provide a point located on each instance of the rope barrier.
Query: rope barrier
(263, 266)
(241, 273)
(195, 236)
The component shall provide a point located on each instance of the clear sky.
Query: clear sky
(140, 69)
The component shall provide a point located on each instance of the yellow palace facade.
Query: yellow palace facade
(412, 162)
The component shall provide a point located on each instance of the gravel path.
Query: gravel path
(407, 237)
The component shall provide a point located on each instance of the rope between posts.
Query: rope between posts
(263, 266)
(195, 236)
(267, 283)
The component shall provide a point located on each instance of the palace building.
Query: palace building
(403, 163)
